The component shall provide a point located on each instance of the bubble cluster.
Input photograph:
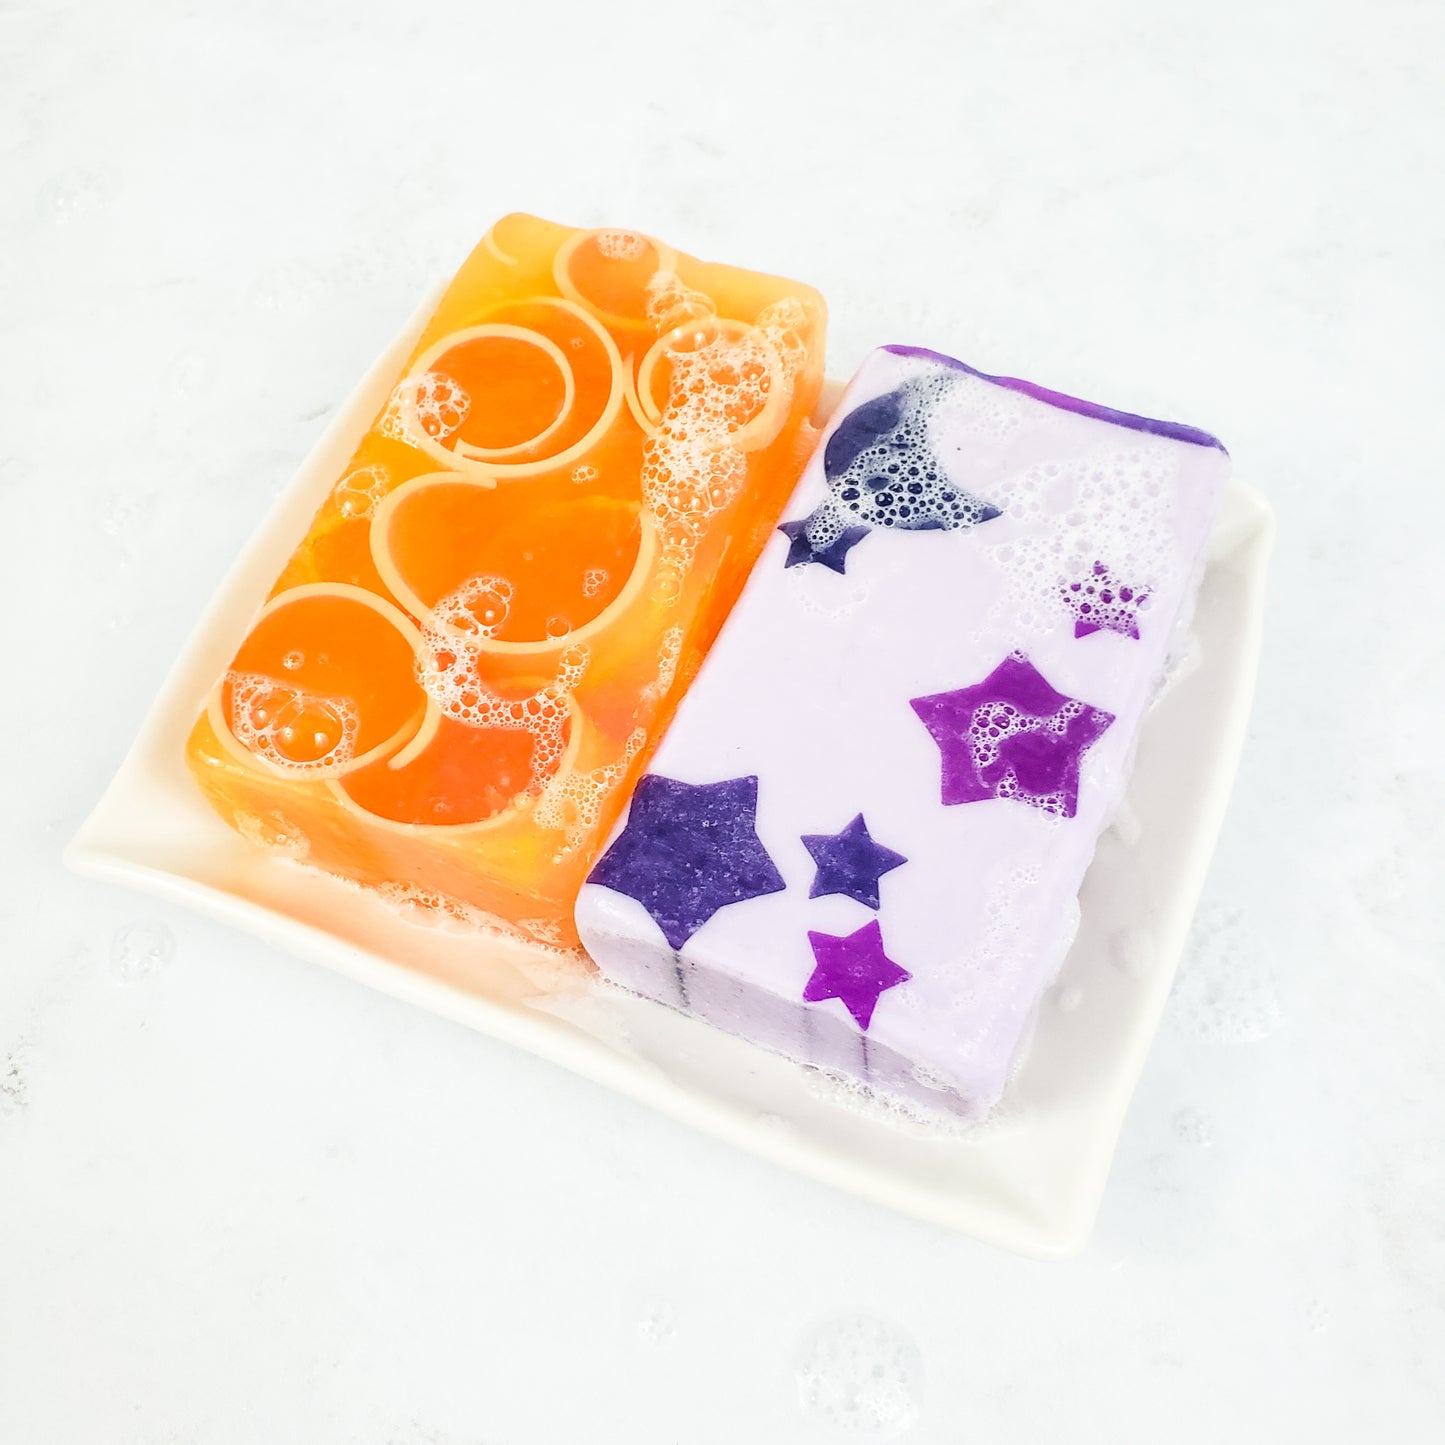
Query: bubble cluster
(723, 378)
(141, 949)
(860, 1375)
(572, 802)
(1100, 602)
(358, 492)
(670, 302)
(1004, 950)
(478, 608)
(433, 404)
(898, 1111)
(290, 727)
(1095, 529)
(975, 407)
(450, 673)
(13, 1088)
(430, 908)
(1223, 994)
(273, 831)
(994, 723)
(621, 245)
(585, 474)
(883, 468)
(658, 1324)
(1193, 1126)
(668, 652)
(594, 579)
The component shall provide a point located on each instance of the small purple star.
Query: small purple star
(689, 849)
(834, 555)
(850, 862)
(1012, 736)
(1100, 602)
(853, 969)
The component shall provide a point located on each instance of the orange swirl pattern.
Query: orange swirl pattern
(461, 669)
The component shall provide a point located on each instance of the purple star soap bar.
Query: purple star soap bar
(861, 842)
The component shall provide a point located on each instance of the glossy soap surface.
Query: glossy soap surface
(470, 653)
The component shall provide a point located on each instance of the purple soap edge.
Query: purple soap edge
(1175, 431)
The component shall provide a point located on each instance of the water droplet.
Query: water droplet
(1069, 998)
(293, 660)
(70, 197)
(141, 949)
(668, 587)
(1193, 1126)
(1222, 994)
(274, 832)
(658, 1323)
(558, 627)
(1133, 951)
(860, 1375)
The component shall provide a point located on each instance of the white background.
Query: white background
(242, 1200)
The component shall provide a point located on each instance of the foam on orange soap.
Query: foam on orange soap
(464, 663)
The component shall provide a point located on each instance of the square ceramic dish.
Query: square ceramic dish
(1028, 1179)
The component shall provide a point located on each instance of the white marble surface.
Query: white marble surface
(242, 1200)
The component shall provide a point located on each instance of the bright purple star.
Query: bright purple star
(1100, 602)
(1012, 736)
(850, 862)
(689, 849)
(853, 969)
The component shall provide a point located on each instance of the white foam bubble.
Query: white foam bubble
(479, 607)
(140, 950)
(274, 832)
(450, 673)
(1097, 539)
(861, 1375)
(669, 649)
(358, 492)
(572, 802)
(290, 727)
(722, 377)
(432, 404)
(670, 302)
(899, 479)
(621, 245)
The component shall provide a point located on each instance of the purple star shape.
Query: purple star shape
(689, 849)
(1012, 736)
(853, 969)
(1100, 602)
(834, 555)
(850, 862)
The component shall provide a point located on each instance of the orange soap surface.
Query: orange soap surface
(463, 665)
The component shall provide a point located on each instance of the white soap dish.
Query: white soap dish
(1029, 1179)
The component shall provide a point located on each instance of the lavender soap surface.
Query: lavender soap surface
(861, 842)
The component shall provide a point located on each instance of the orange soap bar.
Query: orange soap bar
(463, 666)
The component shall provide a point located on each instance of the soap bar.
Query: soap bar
(457, 675)
(862, 840)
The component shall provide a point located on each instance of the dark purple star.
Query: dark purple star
(850, 862)
(834, 555)
(689, 849)
(853, 969)
(1100, 602)
(1012, 736)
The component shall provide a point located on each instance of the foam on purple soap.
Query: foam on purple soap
(861, 841)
